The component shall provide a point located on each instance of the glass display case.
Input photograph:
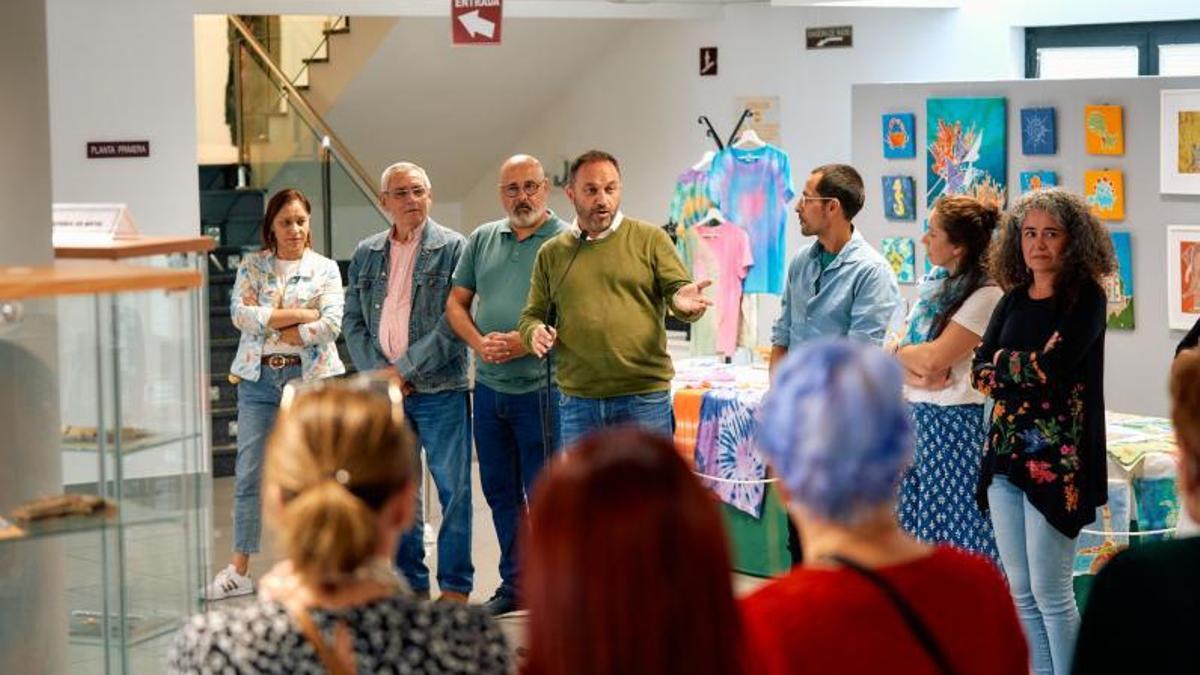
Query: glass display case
(102, 396)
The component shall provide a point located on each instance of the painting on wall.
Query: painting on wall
(1036, 180)
(1183, 275)
(1179, 138)
(928, 262)
(900, 253)
(967, 151)
(899, 198)
(899, 135)
(1104, 191)
(1104, 131)
(1119, 286)
(1037, 131)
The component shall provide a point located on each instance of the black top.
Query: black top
(1190, 339)
(1047, 428)
(392, 635)
(1141, 615)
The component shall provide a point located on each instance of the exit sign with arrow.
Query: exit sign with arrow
(475, 22)
(829, 37)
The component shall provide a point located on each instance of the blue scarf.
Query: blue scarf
(933, 296)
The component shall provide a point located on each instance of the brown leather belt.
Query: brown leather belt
(278, 361)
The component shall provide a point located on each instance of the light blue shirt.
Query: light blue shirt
(854, 297)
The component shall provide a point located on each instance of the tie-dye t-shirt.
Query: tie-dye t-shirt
(752, 188)
(688, 206)
(723, 257)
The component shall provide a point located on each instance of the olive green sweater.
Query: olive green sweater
(612, 340)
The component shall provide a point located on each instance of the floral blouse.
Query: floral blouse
(1042, 363)
(316, 284)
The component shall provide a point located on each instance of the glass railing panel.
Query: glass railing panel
(302, 38)
(353, 211)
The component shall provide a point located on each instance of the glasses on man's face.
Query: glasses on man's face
(529, 187)
(417, 192)
(375, 382)
(804, 199)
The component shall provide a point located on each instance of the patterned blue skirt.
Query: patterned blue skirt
(937, 494)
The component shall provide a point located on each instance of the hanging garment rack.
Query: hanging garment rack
(716, 138)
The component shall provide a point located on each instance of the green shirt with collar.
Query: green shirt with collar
(497, 268)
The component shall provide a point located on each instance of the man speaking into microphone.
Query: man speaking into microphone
(599, 296)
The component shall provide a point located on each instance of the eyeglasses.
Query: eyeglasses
(373, 382)
(804, 199)
(529, 187)
(403, 193)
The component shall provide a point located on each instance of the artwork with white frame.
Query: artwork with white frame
(1179, 135)
(1183, 275)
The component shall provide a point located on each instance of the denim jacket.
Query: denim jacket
(436, 359)
(317, 284)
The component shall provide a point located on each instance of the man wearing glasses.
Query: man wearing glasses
(395, 318)
(515, 419)
(838, 286)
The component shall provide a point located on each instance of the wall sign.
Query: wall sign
(476, 22)
(764, 116)
(91, 223)
(708, 61)
(107, 149)
(829, 37)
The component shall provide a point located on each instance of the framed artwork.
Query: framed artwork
(900, 253)
(1037, 131)
(1104, 191)
(1104, 131)
(1183, 275)
(899, 198)
(1036, 180)
(1119, 286)
(967, 151)
(1179, 134)
(899, 135)
(928, 262)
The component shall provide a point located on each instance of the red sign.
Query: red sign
(475, 22)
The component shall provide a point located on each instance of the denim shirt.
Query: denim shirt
(854, 297)
(436, 359)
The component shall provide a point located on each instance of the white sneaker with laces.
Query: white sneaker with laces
(229, 584)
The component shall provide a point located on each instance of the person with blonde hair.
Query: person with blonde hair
(339, 487)
(1157, 579)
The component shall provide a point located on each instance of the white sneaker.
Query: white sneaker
(229, 584)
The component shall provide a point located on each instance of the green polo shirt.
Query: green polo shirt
(497, 268)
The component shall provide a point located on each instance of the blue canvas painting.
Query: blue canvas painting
(900, 252)
(899, 198)
(1036, 180)
(899, 135)
(1119, 286)
(928, 263)
(967, 148)
(1037, 131)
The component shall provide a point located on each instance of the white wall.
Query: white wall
(123, 70)
(214, 142)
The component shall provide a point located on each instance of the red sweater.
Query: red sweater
(835, 621)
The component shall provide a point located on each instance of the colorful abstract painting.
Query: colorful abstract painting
(967, 151)
(899, 135)
(1104, 191)
(1183, 275)
(1104, 131)
(900, 253)
(1179, 142)
(928, 262)
(1036, 180)
(1037, 131)
(899, 198)
(1119, 286)
(1189, 141)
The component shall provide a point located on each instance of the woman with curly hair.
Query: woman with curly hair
(956, 300)
(1042, 363)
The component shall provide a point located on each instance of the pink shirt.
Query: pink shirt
(723, 256)
(397, 306)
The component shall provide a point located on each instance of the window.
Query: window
(1113, 50)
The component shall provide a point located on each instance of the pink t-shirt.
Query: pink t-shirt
(723, 256)
(397, 306)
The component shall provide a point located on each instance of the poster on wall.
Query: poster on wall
(967, 149)
(899, 135)
(1183, 275)
(900, 252)
(1104, 191)
(1179, 137)
(899, 198)
(1119, 286)
(1038, 132)
(1036, 180)
(1104, 131)
(764, 116)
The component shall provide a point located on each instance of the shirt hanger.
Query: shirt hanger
(705, 161)
(749, 141)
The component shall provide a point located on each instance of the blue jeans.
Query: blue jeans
(580, 416)
(258, 403)
(442, 422)
(1037, 560)
(509, 440)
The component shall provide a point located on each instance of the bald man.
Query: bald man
(515, 421)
